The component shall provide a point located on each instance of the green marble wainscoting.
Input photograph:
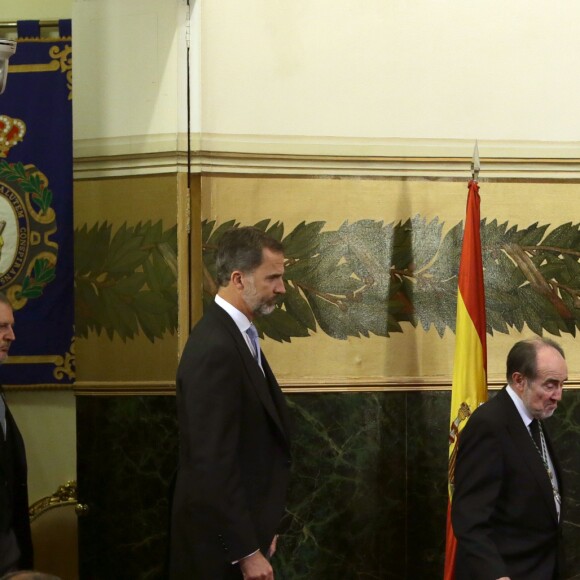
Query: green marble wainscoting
(368, 495)
(126, 455)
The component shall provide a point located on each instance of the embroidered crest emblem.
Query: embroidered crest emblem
(28, 256)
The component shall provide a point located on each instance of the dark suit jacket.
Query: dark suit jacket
(234, 456)
(14, 490)
(503, 510)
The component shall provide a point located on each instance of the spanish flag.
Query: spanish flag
(469, 388)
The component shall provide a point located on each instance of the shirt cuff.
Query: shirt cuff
(238, 561)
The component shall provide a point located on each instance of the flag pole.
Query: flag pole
(469, 386)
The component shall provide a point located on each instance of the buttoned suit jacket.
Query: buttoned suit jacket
(14, 490)
(234, 456)
(503, 510)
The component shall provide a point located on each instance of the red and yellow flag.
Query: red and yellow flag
(469, 388)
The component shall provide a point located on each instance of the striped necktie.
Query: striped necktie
(253, 334)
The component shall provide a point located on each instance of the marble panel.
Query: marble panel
(564, 428)
(368, 495)
(427, 459)
(127, 449)
(347, 498)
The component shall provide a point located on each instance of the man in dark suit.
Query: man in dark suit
(506, 506)
(15, 540)
(234, 457)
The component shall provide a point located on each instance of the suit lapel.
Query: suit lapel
(259, 381)
(525, 445)
(278, 399)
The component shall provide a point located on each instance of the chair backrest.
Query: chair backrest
(54, 527)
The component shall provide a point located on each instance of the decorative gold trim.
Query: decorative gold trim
(65, 495)
(112, 388)
(51, 66)
(40, 359)
(195, 250)
(124, 384)
(63, 365)
(183, 256)
(68, 364)
(386, 385)
(39, 387)
(122, 388)
(61, 60)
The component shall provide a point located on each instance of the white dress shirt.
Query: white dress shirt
(527, 419)
(243, 324)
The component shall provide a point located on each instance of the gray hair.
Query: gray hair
(242, 249)
(522, 357)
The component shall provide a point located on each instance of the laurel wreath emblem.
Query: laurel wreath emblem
(38, 201)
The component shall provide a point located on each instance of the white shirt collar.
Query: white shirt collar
(526, 417)
(238, 317)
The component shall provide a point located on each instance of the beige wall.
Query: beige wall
(130, 76)
(371, 78)
(47, 422)
(35, 9)
(391, 69)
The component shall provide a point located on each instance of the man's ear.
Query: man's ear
(237, 279)
(518, 382)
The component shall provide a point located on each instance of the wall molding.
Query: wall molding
(295, 386)
(324, 157)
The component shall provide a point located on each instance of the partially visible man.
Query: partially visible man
(234, 456)
(15, 539)
(29, 575)
(506, 508)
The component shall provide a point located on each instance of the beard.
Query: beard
(259, 306)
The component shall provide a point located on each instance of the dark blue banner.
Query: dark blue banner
(36, 218)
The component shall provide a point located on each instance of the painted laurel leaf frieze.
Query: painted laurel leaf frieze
(126, 281)
(369, 277)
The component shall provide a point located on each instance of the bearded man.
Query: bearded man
(234, 456)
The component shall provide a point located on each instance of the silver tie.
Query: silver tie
(253, 334)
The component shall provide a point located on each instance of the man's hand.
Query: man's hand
(256, 567)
